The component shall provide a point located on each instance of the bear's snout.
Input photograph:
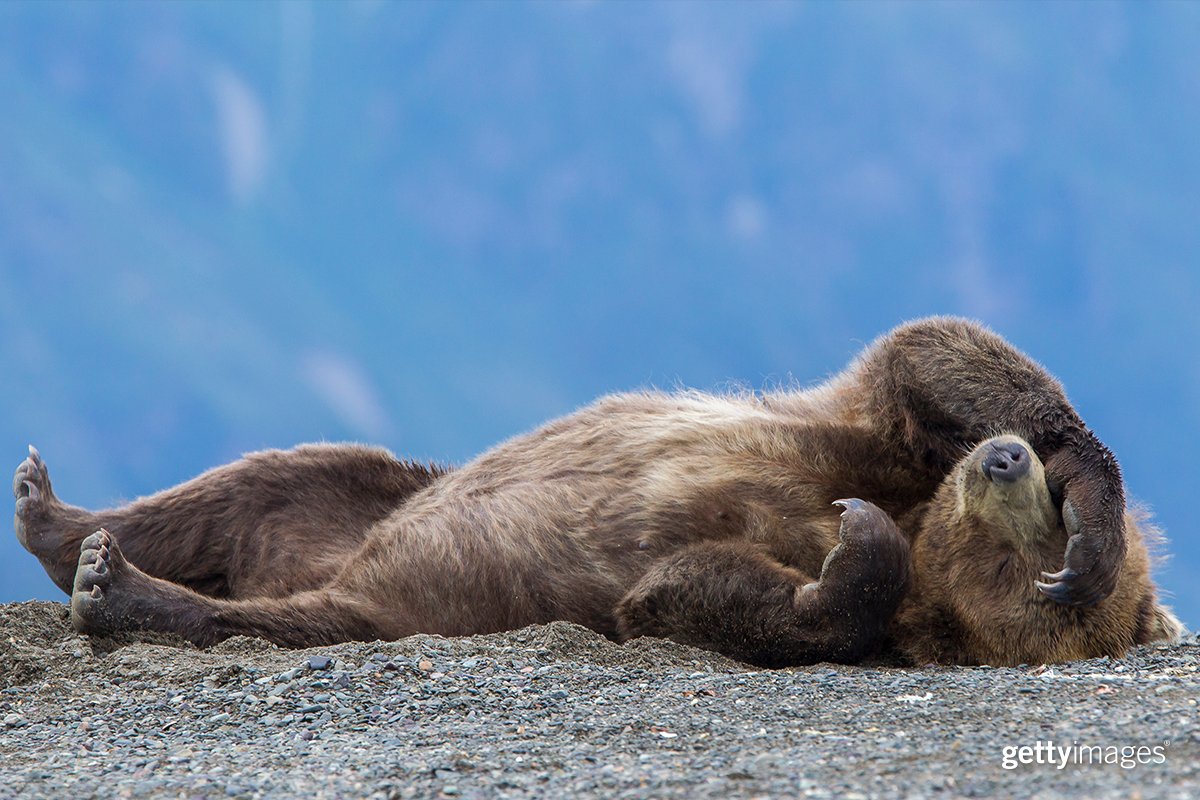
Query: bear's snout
(1005, 462)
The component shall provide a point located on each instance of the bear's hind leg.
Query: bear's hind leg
(235, 530)
(111, 595)
(733, 598)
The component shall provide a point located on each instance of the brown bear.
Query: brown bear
(986, 524)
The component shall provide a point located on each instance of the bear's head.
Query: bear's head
(988, 534)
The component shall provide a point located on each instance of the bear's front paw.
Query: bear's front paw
(1091, 564)
(872, 557)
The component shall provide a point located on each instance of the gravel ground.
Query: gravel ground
(558, 711)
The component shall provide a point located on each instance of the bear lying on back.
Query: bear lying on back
(939, 499)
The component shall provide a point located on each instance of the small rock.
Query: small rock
(13, 720)
(319, 662)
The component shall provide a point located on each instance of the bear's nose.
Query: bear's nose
(1006, 463)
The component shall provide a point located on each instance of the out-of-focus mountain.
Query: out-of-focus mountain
(231, 226)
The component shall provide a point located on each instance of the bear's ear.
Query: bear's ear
(1163, 626)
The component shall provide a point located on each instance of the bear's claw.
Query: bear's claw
(861, 519)
(31, 482)
(1083, 580)
(1065, 588)
(95, 557)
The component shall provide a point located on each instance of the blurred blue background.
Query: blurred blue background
(231, 226)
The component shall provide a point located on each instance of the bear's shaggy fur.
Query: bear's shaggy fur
(980, 522)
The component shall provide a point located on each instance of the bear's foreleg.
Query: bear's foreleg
(939, 386)
(733, 598)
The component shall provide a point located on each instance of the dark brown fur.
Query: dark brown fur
(704, 519)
